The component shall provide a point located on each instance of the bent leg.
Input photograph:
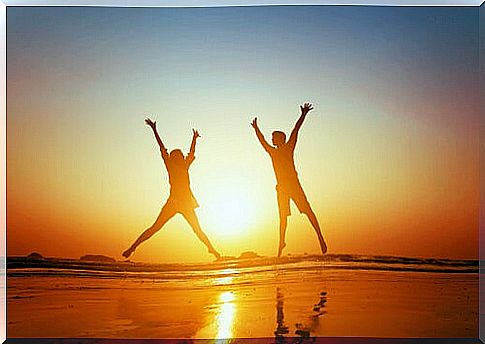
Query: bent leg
(166, 214)
(193, 221)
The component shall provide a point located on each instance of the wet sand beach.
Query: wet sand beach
(244, 303)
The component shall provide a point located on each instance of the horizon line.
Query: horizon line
(291, 255)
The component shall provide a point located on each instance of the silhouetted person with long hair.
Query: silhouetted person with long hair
(288, 186)
(181, 199)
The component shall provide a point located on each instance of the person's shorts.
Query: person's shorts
(181, 204)
(298, 196)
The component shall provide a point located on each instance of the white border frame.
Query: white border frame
(225, 3)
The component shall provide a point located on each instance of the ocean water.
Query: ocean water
(21, 266)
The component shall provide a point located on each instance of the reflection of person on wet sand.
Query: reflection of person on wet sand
(181, 199)
(304, 329)
(288, 186)
(281, 328)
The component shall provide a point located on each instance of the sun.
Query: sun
(230, 212)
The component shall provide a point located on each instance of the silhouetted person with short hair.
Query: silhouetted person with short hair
(288, 186)
(181, 199)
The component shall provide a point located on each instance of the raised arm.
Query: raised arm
(305, 108)
(163, 149)
(191, 155)
(260, 136)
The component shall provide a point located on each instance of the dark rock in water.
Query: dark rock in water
(249, 255)
(97, 258)
(35, 256)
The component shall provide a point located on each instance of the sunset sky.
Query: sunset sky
(388, 158)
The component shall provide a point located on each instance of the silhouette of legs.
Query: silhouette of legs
(313, 220)
(193, 221)
(166, 214)
(283, 198)
(303, 205)
(298, 196)
(283, 224)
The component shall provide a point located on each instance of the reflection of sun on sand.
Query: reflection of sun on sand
(226, 315)
(223, 324)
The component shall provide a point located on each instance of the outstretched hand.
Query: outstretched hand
(195, 133)
(151, 123)
(254, 123)
(306, 108)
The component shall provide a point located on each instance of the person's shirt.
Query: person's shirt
(284, 164)
(178, 175)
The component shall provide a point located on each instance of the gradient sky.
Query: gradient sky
(388, 158)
